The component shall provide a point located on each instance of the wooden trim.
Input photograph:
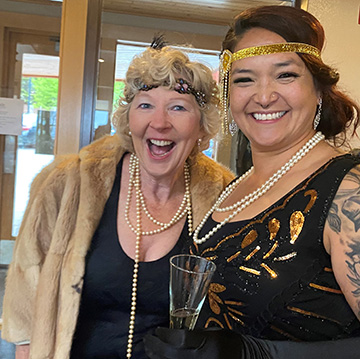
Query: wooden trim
(93, 29)
(7, 179)
(80, 27)
(71, 71)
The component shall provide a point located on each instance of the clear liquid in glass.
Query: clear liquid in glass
(183, 318)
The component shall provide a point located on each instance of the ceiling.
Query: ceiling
(219, 12)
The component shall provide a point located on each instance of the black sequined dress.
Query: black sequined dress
(274, 278)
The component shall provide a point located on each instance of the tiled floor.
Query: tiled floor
(7, 350)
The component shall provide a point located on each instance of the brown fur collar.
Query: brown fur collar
(66, 203)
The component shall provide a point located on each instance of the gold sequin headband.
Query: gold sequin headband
(227, 58)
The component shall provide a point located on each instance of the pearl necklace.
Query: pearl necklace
(252, 197)
(185, 208)
(134, 182)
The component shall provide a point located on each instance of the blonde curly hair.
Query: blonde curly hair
(163, 67)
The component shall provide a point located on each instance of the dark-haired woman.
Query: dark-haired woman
(285, 235)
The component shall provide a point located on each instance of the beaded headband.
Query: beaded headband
(182, 87)
(227, 58)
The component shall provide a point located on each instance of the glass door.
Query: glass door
(31, 64)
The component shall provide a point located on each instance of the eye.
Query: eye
(144, 105)
(242, 80)
(178, 108)
(288, 75)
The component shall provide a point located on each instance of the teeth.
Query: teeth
(160, 142)
(268, 116)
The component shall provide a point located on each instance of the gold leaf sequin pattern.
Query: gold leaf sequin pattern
(250, 270)
(285, 257)
(210, 320)
(249, 238)
(313, 196)
(236, 311)
(227, 321)
(271, 251)
(214, 299)
(233, 256)
(212, 258)
(238, 320)
(325, 289)
(232, 302)
(272, 273)
(274, 226)
(296, 224)
(217, 288)
(310, 314)
(257, 248)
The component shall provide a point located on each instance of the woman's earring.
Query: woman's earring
(318, 114)
(199, 143)
(233, 127)
(129, 133)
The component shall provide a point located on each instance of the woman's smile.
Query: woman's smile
(268, 116)
(160, 148)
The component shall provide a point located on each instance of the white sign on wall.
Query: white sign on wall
(11, 111)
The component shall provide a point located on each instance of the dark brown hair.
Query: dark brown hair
(296, 25)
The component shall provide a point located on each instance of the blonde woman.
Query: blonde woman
(90, 270)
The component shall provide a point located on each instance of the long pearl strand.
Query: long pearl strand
(184, 208)
(135, 277)
(135, 183)
(252, 197)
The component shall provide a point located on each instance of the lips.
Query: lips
(268, 116)
(160, 147)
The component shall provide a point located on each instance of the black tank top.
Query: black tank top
(103, 321)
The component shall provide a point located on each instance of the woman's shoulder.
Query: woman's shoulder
(208, 169)
(66, 167)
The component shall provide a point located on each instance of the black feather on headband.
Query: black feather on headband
(158, 42)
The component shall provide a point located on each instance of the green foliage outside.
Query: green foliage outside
(25, 83)
(43, 92)
(118, 91)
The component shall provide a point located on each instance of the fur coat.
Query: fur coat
(67, 198)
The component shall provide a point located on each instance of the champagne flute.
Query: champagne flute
(190, 277)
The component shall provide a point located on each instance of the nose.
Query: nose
(265, 94)
(160, 120)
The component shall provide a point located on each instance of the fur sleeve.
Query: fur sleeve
(49, 198)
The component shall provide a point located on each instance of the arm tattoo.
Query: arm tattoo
(334, 219)
(344, 220)
(354, 269)
(349, 201)
(351, 209)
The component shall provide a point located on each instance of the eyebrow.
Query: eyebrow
(242, 71)
(276, 65)
(286, 63)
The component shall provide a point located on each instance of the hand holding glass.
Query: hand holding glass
(190, 277)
